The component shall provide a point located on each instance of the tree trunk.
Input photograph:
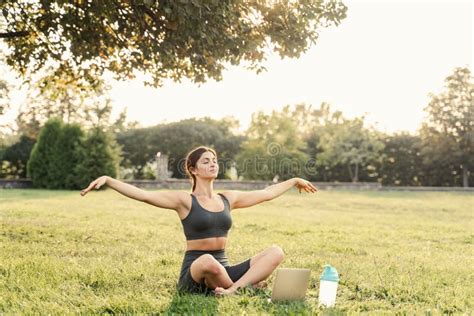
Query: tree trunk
(350, 172)
(465, 176)
(356, 173)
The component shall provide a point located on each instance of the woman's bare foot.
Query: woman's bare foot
(220, 291)
(260, 285)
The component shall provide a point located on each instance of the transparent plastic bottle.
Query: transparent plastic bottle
(328, 286)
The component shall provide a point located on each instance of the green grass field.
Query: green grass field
(104, 253)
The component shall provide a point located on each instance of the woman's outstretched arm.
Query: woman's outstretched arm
(280, 188)
(119, 186)
(241, 199)
(168, 199)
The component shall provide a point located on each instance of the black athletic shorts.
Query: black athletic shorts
(187, 284)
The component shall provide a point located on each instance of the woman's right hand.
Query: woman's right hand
(97, 183)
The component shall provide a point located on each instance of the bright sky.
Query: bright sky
(381, 61)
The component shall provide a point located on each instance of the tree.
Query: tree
(439, 166)
(98, 157)
(42, 156)
(316, 122)
(13, 160)
(55, 156)
(448, 132)
(64, 157)
(349, 143)
(164, 39)
(136, 149)
(274, 146)
(401, 161)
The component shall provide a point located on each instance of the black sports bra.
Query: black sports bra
(201, 223)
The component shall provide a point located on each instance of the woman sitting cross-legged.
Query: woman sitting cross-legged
(206, 219)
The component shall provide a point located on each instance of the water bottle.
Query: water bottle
(328, 286)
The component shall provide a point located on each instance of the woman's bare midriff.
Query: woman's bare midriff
(213, 243)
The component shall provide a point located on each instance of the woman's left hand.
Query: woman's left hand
(303, 184)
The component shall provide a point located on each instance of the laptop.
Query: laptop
(290, 284)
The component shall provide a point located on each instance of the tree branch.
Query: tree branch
(14, 34)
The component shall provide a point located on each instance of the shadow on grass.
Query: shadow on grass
(190, 304)
(259, 301)
(247, 300)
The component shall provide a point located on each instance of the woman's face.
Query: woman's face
(207, 166)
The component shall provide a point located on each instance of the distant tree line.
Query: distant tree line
(315, 143)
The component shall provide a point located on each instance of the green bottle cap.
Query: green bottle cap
(329, 274)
